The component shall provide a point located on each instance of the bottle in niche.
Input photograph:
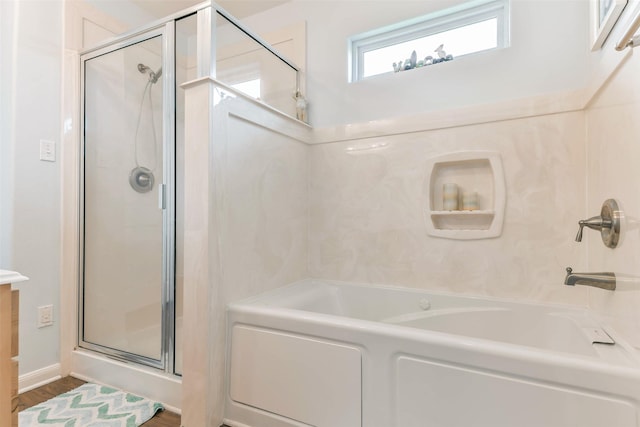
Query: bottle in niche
(450, 197)
(470, 201)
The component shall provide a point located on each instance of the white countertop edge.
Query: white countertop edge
(7, 276)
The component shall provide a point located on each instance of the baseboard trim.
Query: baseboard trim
(38, 378)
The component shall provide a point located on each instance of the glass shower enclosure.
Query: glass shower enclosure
(132, 146)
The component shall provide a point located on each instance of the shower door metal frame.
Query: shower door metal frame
(166, 195)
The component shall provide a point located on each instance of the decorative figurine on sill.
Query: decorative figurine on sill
(301, 107)
(414, 59)
(412, 62)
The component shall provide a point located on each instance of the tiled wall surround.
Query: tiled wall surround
(367, 221)
(613, 156)
(562, 159)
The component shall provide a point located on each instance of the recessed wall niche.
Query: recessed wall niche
(478, 172)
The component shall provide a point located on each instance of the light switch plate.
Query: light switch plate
(47, 150)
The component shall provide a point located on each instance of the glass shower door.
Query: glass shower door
(127, 255)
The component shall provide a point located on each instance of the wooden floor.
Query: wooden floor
(46, 392)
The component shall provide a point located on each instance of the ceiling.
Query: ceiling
(237, 8)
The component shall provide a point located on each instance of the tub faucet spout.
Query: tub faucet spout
(605, 280)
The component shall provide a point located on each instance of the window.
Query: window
(469, 28)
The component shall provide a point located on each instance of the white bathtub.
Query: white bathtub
(329, 354)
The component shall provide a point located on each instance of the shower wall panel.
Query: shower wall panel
(245, 220)
(613, 155)
(368, 210)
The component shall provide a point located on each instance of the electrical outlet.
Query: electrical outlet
(47, 150)
(45, 316)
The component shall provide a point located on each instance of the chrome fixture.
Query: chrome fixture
(153, 75)
(141, 179)
(606, 280)
(608, 223)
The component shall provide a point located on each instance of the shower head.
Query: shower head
(153, 75)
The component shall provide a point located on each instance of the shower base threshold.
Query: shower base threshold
(141, 380)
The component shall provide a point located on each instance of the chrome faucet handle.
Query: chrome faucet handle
(595, 223)
(608, 223)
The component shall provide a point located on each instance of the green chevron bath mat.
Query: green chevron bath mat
(90, 405)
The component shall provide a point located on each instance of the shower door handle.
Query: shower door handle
(161, 197)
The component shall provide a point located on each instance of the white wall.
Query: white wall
(32, 34)
(7, 10)
(128, 14)
(548, 54)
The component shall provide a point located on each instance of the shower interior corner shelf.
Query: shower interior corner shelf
(463, 213)
(479, 171)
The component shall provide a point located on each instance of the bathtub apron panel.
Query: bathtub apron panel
(314, 382)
